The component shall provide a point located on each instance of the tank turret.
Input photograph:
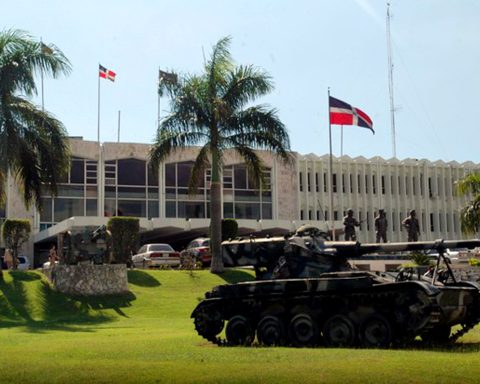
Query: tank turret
(312, 296)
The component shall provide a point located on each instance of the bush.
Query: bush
(474, 262)
(420, 258)
(15, 233)
(229, 229)
(124, 232)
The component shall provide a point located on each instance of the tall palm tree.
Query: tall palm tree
(212, 110)
(33, 144)
(470, 214)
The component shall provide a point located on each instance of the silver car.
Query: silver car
(156, 255)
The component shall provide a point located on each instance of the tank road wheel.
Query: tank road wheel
(339, 331)
(437, 335)
(208, 325)
(303, 330)
(239, 331)
(376, 331)
(271, 331)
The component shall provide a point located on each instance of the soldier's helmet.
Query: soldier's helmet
(381, 211)
(412, 212)
(349, 210)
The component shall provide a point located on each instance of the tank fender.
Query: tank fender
(428, 289)
(206, 304)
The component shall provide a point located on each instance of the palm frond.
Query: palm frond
(201, 163)
(245, 84)
(470, 184)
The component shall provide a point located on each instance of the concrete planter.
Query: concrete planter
(88, 279)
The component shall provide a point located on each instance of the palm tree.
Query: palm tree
(212, 110)
(470, 214)
(33, 144)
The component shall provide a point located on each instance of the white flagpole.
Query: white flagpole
(332, 223)
(118, 133)
(98, 111)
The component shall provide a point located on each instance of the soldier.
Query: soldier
(381, 225)
(350, 223)
(412, 225)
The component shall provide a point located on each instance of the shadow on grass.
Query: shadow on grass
(142, 279)
(24, 276)
(51, 310)
(232, 276)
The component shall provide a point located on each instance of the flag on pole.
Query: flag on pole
(342, 113)
(105, 73)
(167, 77)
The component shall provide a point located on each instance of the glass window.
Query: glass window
(135, 208)
(46, 213)
(247, 211)
(65, 208)
(170, 209)
(153, 209)
(228, 210)
(77, 172)
(191, 209)
(131, 193)
(152, 176)
(110, 208)
(184, 171)
(170, 175)
(91, 205)
(131, 172)
(240, 175)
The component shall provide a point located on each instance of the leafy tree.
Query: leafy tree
(470, 214)
(33, 143)
(15, 233)
(214, 110)
(124, 232)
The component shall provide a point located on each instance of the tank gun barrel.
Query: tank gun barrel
(351, 249)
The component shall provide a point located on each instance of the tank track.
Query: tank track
(428, 312)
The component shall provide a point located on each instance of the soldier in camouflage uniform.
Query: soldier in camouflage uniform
(381, 225)
(412, 225)
(350, 223)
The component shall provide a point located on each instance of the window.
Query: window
(383, 185)
(77, 194)
(432, 226)
(300, 181)
(334, 182)
(309, 184)
(316, 182)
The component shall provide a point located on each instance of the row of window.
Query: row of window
(397, 185)
(132, 189)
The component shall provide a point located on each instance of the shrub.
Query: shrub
(15, 233)
(124, 232)
(229, 229)
(474, 262)
(420, 258)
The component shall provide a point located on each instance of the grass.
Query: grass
(147, 336)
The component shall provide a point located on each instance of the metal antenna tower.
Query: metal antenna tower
(390, 83)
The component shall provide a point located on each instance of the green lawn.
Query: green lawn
(147, 336)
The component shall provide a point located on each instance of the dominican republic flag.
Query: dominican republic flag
(342, 113)
(104, 73)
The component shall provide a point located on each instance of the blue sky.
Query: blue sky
(305, 45)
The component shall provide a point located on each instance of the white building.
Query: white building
(114, 179)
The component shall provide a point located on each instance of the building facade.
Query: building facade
(115, 179)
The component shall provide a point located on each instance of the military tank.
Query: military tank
(309, 295)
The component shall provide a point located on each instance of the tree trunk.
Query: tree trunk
(216, 228)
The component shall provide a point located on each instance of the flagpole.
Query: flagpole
(98, 110)
(158, 95)
(332, 223)
(118, 132)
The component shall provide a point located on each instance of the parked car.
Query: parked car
(23, 263)
(156, 255)
(199, 250)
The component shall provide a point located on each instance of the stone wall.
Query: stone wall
(89, 279)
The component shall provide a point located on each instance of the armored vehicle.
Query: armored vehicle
(92, 244)
(311, 296)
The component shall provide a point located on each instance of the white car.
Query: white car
(156, 255)
(23, 263)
